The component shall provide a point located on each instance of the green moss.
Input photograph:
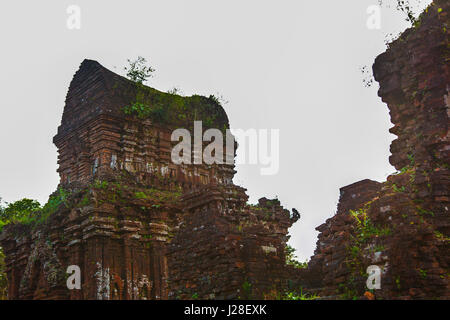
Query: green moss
(85, 200)
(423, 273)
(397, 282)
(441, 236)
(293, 295)
(422, 212)
(100, 184)
(168, 108)
(398, 189)
(140, 195)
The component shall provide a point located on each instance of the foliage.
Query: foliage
(291, 258)
(365, 231)
(54, 202)
(246, 290)
(194, 296)
(175, 91)
(30, 212)
(138, 71)
(423, 273)
(218, 99)
(406, 7)
(170, 107)
(160, 195)
(397, 189)
(143, 111)
(162, 107)
(22, 211)
(299, 296)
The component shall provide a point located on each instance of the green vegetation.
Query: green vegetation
(397, 282)
(142, 111)
(365, 229)
(364, 232)
(423, 273)
(194, 296)
(149, 103)
(422, 212)
(22, 211)
(299, 296)
(30, 212)
(246, 290)
(160, 195)
(348, 292)
(26, 212)
(100, 184)
(411, 159)
(140, 195)
(138, 71)
(169, 107)
(115, 193)
(397, 189)
(85, 200)
(406, 7)
(441, 236)
(291, 258)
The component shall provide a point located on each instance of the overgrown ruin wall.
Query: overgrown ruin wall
(141, 227)
(138, 225)
(401, 225)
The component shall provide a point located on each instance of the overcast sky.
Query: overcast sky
(288, 65)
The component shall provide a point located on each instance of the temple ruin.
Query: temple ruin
(141, 227)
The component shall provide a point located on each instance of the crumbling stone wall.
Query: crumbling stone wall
(226, 249)
(141, 227)
(401, 225)
(138, 225)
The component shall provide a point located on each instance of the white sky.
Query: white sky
(292, 65)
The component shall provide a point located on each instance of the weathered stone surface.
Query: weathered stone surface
(139, 226)
(401, 225)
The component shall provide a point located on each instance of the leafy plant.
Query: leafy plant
(138, 71)
(397, 189)
(140, 195)
(22, 211)
(300, 296)
(175, 91)
(406, 8)
(423, 273)
(246, 290)
(30, 212)
(143, 111)
(291, 258)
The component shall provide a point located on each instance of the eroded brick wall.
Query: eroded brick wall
(401, 225)
(138, 225)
